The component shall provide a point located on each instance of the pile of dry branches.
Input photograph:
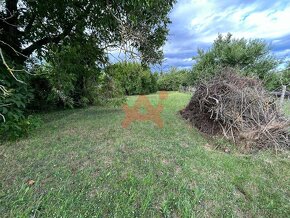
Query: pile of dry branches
(240, 109)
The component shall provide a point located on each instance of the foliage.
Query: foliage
(68, 79)
(33, 25)
(110, 91)
(18, 126)
(134, 79)
(275, 80)
(250, 57)
(63, 32)
(14, 122)
(172, 80)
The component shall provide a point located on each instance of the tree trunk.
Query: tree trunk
(10, 34)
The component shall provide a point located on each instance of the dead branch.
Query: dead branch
(10, 70)
(238, 108)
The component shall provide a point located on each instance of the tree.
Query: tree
(27, 25)
(172, 80)
(134, 79)
(69, 78)
(276, 80)
(39, 27)
(249, 56)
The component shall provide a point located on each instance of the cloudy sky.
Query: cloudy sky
(196, 23)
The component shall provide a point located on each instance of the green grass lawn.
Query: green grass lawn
(85, 164)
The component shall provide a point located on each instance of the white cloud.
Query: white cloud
(187, 60)
(208, 18)
(196, 23)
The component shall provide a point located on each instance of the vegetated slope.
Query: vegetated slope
(84, 163)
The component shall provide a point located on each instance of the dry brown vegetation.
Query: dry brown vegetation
(240, 109)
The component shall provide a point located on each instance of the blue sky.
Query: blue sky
(196, 23)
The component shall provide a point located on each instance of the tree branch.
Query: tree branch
(30, 23)
(10, 70)
(16, 52)
(46, 40)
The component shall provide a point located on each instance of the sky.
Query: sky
(196, 23)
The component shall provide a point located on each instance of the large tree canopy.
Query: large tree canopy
(29, 25)
(74, 38)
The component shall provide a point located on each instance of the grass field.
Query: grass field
(85, 164)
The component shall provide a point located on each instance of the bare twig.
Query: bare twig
(3, 117)
(10, 70)
(17, 52)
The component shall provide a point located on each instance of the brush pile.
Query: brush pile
(240, 109)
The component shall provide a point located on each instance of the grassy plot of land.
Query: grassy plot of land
(85, 164)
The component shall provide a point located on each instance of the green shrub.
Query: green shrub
(68, 79)
(18, 126)
(110, 91)
(250, 57)
(172, 80)
(14, 122)
(133, 78)
(275, 80)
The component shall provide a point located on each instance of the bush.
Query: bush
(68, 79)
(110, 91)
(19, 126)
(275, 81)
(249, 57)
(172, 80)
(13, 104)
(133, 78)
